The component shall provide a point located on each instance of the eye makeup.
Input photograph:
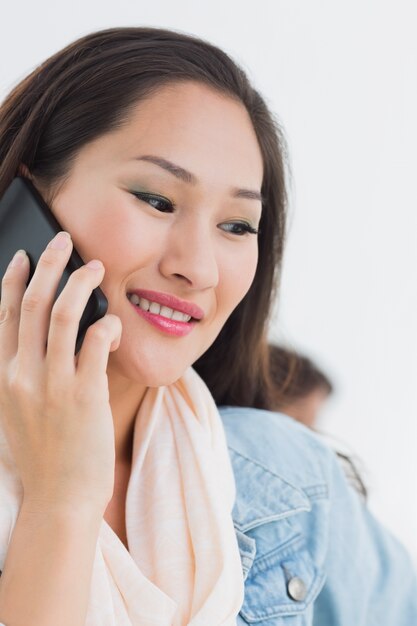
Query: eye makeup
(152, 197)
(240, 228)
(237, 227)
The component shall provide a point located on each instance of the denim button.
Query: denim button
(297, 589)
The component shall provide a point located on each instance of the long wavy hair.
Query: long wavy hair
(88, 89)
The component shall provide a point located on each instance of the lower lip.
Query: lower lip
(171, 327)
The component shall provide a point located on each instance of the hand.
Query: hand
(54, 407)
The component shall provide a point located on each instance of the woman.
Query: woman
(119, 504)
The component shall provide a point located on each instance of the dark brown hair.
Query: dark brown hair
(295, 376)
(88, 89)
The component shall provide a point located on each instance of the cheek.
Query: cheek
(238, 272)
(125, 243)
(104, 225)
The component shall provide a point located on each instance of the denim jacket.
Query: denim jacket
(312, 553)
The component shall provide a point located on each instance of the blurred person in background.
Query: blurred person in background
(302, 388)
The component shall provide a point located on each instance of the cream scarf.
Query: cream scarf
(183, 565)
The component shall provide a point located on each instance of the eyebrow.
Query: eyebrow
(191, 179)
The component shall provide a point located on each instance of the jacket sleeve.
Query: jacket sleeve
(370, 577)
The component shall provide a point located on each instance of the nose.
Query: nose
(190, 255)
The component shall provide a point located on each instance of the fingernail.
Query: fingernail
(18, 258)
(95, 265)
(60, 241)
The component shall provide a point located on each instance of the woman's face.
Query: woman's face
(187, 239)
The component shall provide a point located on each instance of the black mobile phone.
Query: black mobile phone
(26, 222)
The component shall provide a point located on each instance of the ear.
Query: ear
(23, 170)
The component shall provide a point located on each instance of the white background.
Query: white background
(341, 77)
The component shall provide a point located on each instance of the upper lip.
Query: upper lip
(167, 299)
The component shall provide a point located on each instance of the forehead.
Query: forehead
(195, 126)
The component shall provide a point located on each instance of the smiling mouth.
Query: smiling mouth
(158, 309)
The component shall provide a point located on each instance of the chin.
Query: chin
(160, 379)
(149, 370)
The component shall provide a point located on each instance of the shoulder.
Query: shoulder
(281, 497)
(281, 445)
(309, 544)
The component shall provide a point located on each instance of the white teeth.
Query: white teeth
(154, 307)
(134, 298)
(166, 312)
(179, 317)
(144, 304)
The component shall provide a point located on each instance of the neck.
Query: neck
(125, 399)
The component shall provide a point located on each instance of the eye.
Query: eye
(157, 202)
(239, 228)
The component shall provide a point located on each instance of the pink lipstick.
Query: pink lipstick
(176, 327)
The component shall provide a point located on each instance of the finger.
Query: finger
(13, 286)
(65, 317)
(38, 300)
(101, 338)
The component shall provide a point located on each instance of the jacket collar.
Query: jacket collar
(261, 495)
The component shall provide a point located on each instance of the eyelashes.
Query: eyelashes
(166, 206)
(240, 228)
